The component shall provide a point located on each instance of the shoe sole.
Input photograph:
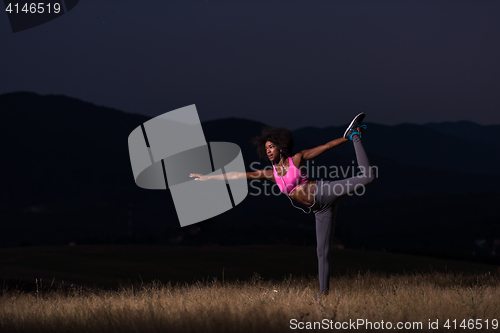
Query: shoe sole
(358, 117)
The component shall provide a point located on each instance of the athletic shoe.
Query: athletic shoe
(349, 132)
(321, 296)
(353, 132)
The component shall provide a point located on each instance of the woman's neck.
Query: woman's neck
(282, 161)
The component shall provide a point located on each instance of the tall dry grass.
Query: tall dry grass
(256, 305)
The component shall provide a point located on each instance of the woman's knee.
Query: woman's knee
(323, 251)
(369, 176)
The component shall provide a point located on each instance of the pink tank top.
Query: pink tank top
(291, 180)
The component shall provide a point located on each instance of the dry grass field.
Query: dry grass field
(262, 306)
(359, 301)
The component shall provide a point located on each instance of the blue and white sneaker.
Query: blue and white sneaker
(352, 128)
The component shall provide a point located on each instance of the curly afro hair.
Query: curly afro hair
(281, 137)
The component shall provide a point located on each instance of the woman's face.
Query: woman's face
(273, 152)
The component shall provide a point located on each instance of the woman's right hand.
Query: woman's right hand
(199, 176)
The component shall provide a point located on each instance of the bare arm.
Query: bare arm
(255, 175)
(309, 154)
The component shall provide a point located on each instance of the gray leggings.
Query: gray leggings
(328, 194)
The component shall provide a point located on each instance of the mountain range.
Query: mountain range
(66, 177)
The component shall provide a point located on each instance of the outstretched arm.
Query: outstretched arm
(259, 174)
(309, 154)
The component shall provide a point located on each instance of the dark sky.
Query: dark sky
(286, 63)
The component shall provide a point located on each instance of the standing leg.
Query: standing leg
(325, 224)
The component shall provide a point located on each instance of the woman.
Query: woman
(320, 197)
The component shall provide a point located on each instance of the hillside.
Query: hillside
(68, 179)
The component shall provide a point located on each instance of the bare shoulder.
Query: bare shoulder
(298, 159)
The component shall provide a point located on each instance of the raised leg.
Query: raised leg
(340, 188)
